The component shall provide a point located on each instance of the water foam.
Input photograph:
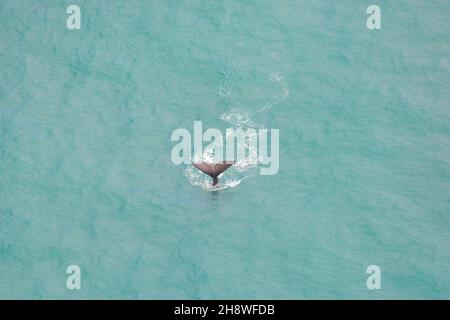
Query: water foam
(238, 119)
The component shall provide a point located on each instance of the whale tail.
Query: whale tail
(213, 169)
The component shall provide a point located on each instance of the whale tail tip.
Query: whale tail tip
(213, 169)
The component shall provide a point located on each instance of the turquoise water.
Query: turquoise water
(86, 176)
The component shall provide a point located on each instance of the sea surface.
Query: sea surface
(86, 176)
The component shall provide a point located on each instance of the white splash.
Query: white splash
(241, 119)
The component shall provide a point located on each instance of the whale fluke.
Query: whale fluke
(213, 169)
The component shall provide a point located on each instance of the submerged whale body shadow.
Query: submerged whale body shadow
(213, 169)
